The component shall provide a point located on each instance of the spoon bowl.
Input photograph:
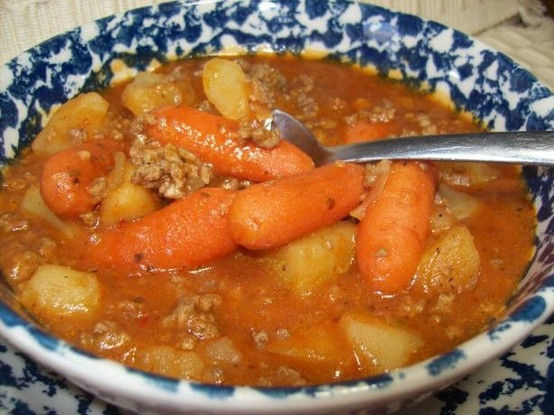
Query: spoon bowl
(518, 147)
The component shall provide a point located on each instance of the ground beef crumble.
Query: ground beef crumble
(106, 335)
(12, 222)
(194, 314)
(259, 131)
(173, 171)
(265, 84)
(284, 375)
(384, 112)
(300, 94)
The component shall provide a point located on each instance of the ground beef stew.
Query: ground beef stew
(163, 223)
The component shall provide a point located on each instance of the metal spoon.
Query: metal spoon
(519, 147)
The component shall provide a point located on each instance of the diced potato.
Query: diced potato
(459, 203)
(149, 91)
(126, 201)
(226, 87)
(451, 264)
(171, 362)
(55, 291)
(320, 348)
(75, 121)
(309, 261)
(379, 345)
(223, 350)
(34, 204)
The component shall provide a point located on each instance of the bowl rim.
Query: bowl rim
(451, 366)
(68, 359)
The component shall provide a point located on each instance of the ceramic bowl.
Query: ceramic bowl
(424, 54)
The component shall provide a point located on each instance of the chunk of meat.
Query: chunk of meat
(173, 171)
(194, 313)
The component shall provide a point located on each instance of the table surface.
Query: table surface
(519, 28)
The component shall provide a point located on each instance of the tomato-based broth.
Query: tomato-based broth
(163, 224)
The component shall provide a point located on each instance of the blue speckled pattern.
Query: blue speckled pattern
(28, 389)
(423, 54)
(520, 382)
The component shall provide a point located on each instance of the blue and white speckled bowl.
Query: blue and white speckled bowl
(424, 54)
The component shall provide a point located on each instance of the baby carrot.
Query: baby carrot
(270, 214)
(189, 232)
(392, 234)
(214, 139)
(67, 176)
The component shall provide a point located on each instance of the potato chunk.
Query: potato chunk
(379, 345)
(79, 119)
(311, 260)
(127, 201)
(451, 264)
(320, 349)
(149, 91)
(55, 291)
(171, 362)
(226, 87)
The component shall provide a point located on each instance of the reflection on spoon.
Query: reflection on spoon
(518, 147)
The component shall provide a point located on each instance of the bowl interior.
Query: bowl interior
(423, 54)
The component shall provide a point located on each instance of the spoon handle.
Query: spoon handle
(519, 147)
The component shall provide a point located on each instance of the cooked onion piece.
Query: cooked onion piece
(461, 204)
(34, 204)
(467, 173)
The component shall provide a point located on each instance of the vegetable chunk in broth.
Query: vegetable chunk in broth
(164, 224)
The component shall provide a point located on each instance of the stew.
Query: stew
(164, 224)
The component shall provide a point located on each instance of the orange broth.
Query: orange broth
(274, 336)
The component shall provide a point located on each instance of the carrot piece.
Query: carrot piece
(67, 175)
(363, 130)
(215, 140)
(392, 234)
(189, 232)
(270, 214)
